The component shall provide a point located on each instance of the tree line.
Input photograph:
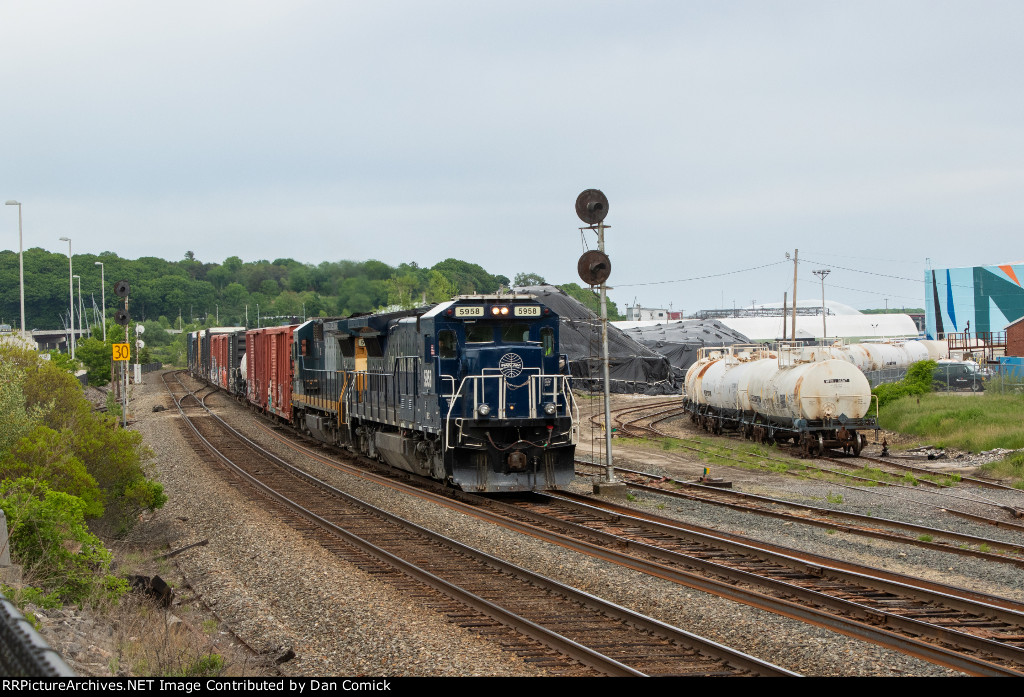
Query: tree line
(238, 293)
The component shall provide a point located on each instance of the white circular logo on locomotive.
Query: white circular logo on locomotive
(510, 365)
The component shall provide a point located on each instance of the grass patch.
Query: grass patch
(975, 423)
(943, 480)
(873, 474)
(1010, 467)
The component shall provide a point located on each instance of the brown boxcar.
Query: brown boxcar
(269, 369)
(220, 363)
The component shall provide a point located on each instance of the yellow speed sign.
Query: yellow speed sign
(122, 352)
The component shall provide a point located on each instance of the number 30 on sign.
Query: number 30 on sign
(122, 352)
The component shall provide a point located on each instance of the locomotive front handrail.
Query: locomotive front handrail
(560, 386)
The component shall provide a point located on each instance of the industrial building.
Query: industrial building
(768, 323)
(973, 299)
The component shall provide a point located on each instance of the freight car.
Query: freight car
(215, 355)
(888, 355)
(794, 393)
(472, 391)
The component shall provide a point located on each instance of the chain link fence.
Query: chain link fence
(962, 377)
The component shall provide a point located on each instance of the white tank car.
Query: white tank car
(881, 355)
(797, 393)
(799, 384)
(812, 390)
(695, 374)
(937, 350)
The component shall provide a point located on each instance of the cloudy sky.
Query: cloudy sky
(871, 136)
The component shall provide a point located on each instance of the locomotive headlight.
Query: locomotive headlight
(504, 310)
(550, 409)
(483, 410)
(495, 310)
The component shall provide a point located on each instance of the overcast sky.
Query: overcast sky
(870, 135)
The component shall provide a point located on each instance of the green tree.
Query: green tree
(96, 356)
(115, 457)
(439, 288)
(64, 361)
(592, 300)
(468, 278)
(528, 279)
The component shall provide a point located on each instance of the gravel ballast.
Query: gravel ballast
(278, 592)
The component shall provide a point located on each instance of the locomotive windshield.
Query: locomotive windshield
(486, 333)
(515, 333)
(479, 333)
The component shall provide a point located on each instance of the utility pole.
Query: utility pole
(823, 273)
(796, 253)
(103, 294)
(785, 310)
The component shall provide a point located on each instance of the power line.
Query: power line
(701, 278)
(885, 275)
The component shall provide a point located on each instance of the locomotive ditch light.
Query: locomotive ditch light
(550, 409)
(483, 410)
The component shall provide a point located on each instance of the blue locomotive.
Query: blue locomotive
(472, 391)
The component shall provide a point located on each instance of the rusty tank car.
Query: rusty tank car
(793, 393)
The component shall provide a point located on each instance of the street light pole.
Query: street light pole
(824, 330)
(103, 295)
(21, 268)
(81, 311)
(71, 293)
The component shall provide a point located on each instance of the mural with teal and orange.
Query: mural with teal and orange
(973, 299)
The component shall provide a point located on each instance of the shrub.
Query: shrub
(47, 455)
(47, 534)
(917, 381)
(71, 436)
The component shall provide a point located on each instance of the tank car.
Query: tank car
(798, 394)
(881, 355)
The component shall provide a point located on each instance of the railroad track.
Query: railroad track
(966, 630)
(924, 536)
(888, 609)
(556, 626)
(664, 411)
